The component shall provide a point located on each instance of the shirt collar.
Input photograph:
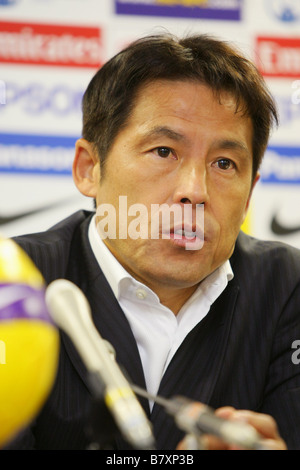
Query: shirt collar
(111, 268)
(117, 276)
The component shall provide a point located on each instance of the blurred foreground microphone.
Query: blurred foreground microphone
(29, 341)
(70, 311)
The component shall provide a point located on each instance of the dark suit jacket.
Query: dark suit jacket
(240, 354)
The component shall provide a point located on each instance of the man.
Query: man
(203, 311)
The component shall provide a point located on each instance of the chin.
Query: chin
(176, 279)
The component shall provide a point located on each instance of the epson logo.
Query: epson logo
(288, 108)
(36, 98)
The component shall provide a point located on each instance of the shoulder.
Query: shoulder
(267, 274)
(252, 246)
(266, 257)
(50, 249)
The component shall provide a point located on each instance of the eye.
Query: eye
(225, 164)
(163, 152)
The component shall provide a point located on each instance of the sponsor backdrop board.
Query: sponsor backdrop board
(50, 49)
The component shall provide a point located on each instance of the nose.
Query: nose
(191, 185)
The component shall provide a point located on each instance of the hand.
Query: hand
(263, 423)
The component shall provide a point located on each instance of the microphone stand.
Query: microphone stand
(101, 428)
(179, 407)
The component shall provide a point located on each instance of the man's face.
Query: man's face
(181, 145)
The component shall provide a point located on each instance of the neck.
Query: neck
(174, 299)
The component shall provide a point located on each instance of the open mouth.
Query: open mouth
(190, 238)
(182, 233)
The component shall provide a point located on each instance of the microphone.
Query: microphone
(71, 312)
(197, 420)
(29, 342)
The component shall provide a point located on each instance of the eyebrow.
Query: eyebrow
(163, 131)
(232, 144)
(228, 144)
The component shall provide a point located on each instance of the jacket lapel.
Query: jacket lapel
(108, 317)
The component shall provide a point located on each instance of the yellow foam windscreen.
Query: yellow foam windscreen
(29, 342)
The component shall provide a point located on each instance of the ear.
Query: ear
(86, 168)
